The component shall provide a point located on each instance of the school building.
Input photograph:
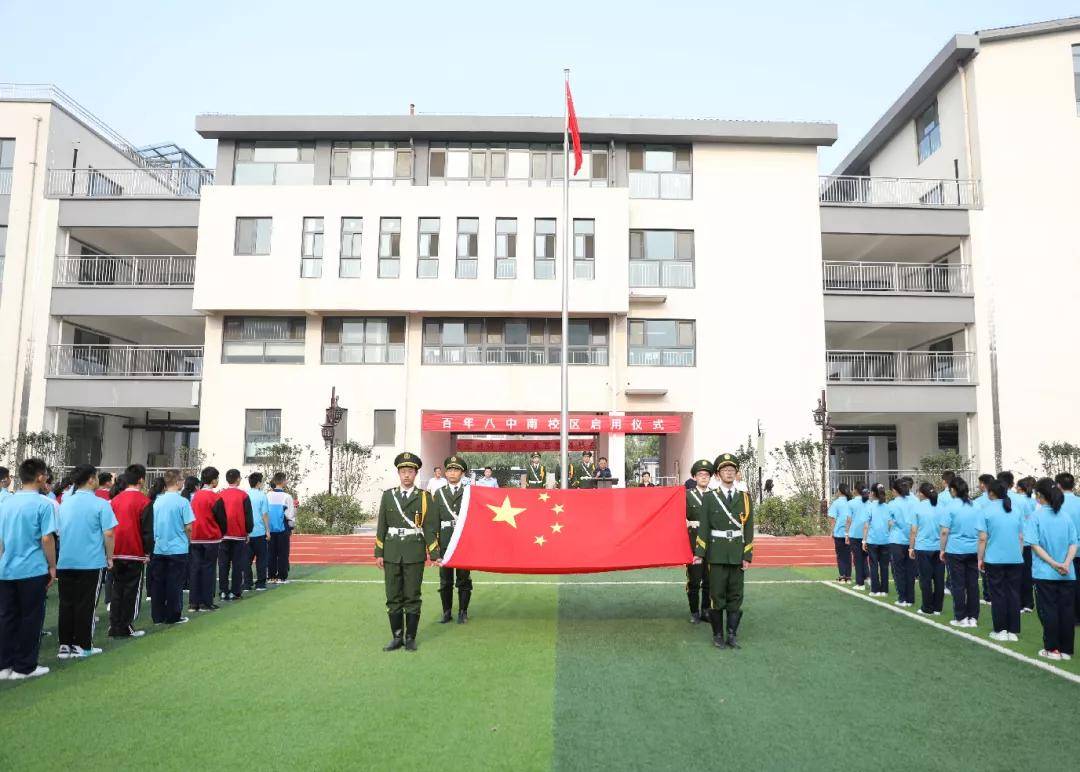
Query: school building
(719, 282)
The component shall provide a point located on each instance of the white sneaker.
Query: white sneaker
(1063, 655)
(1026, 610)
(999, 636)
(1049, 654)
(78, 652)
(958, 622)
(859, 587)
(972, 622)
(283, 581)
(182, 621)
(984, 602)
(948, 591)
(920, 611)
(5, 674)
(1014, 637)
(35, 673)
(899, 603)
(108, 607)
(138, 633)
(64, 652)
(937, 613)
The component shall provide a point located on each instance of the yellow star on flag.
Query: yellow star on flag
(557, 528)
(557, 509)
(505, 513)
(544, 497)
(540, 540)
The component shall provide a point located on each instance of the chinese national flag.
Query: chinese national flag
(537, 531)
(572, 126)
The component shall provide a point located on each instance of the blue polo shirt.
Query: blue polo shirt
(82, 522)
(171, 513)
(860, 513)
(4, 493)
(840, 511)
(1071, 507)
(927, 520)
(962, 520)
(900, 511)
(1002, 531)
(944, 499)
(1055, 532)
(259, 507)
(877, 513)
(25, 517)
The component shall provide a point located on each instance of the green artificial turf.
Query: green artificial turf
(551, 673)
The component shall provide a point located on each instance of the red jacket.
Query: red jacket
(102, 493)
(210, 521)
(238, 513)
(129, 506)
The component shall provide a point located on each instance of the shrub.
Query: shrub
(796, 515)
(324, 513)
(292, 458)
(1059, 457)
(930, 467)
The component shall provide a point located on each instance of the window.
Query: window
(352, 239)
(928, 132)
(389, 247)
(948, 436)
(506, 248)
(263, 340)
(661, 171)
(311, 248)
(274, 163)
(262, 428)
(253, 235)
(661, 258)
(427, 249)
(662, 342)
(363, 340)
(512, 164)
(544, 249)
(371, 163)
(584, 249)
(1076, 75)
(513, 341)
(385, 428)
(7, 162)
(468, 248)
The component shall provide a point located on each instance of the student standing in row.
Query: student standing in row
(105, 481)
(858, 514)
(926, 550)
(5, 483)
(27, 570)
(876, 541)
(282, 520)
(1001, 557)
(980, 501)
(1026, 487)
(899, 536)
(173, 519)
(1070, 505)
(133, 540)
(86, 524)
(839, 514)
(1053, 537)
(210, 526)
(959, 547)
(260, 533)
(239, 522)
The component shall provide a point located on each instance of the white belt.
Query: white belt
(693, 523)
(403, 532)
(727, 534)
(446, 523)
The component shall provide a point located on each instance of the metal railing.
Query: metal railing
(162, 182)
(124, 271)
(69, 360)
(363, 353)
(672, 274)
(513, 355)
(5, 181)
(856, 477)
(262, 351)
(662, 357)
(851, 190)
(910, 278)
(901, 366)
(670, 185)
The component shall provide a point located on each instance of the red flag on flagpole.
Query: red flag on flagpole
(575, 134)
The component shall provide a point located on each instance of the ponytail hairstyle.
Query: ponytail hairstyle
(864, 493)
(191, 484)
(901, 486)
(157, 487)
(120, 482)
(63, 485)
(959, 489)
(930, 492)
(998, 490)
(986, 480)
(845, 491)
(1008, 479)
(82, 474)
(878, 491)
(1026, 485)
(1051, 493)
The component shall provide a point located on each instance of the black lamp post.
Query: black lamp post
(828, 433)
(334, 414)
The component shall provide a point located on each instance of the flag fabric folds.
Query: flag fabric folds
(572, 127)
(538, 531)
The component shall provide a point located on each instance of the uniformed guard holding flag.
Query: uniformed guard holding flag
(447, 502)
(536, 474)
(698, 499)
(583, 472)
(406, 535)
(725, 542)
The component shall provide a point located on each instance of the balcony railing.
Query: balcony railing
(5, 182)
(513, 355)
(125, 271)
(848, 190)
(661, 357)
(672, 274)
(899, 278)
(127, 183)
(856, 477)
(901, 366)
(363, 353)
(70, 360)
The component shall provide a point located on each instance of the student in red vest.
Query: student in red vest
(134, 541)
(206, 532)
(104, 481)
(234, 547)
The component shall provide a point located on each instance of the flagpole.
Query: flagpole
(564, 381)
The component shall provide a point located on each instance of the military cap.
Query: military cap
(725, 459)
(586, 453)
(704, 465)
(535, 454)
(408, 459)
(455, 462)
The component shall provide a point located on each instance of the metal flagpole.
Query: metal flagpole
(564, 381)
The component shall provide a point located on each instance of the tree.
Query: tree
(350, 468)
(190, 461)
(290, 457)
(1059, 457)
(746, 456)
(52, 448)
(798, 466)
(931, 466)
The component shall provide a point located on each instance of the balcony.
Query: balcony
(901, 366)
(850, 190)
(124, 271)
(513, 355)
(363, 353)
(123, 376)
(674, 274)
(161, 182)
(897, 278)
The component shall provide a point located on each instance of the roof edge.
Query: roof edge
(1029, 30)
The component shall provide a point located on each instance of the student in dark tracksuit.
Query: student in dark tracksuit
(282, 520)
(1054, 540)
(259, 536)
(859, 509)
(959, 545)
(210, 526)
(173, 520)
(839, 514)
(234, 543)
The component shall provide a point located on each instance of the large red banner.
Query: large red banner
(522, 531)
(546, 423)
(518, 446)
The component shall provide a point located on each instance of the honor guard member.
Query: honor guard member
(725, 541)
(698, 499)
(536, 474)
(406, 536)
(447, 503)
(581, 473)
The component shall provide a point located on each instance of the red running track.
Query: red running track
(358, 550)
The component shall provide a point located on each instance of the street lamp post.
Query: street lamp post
(334, 414)
(828, 432)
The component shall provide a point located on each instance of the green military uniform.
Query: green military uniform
(724, 540)
(406, 535)
(535, 473)
(581, 471)
(697, 574)
(447, 508)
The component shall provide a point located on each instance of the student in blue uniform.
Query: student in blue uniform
(876, 540)
(960, 546)
(853, 536)
(1001, 558)
(903, 567)
(5, 483)
(839, 514)
(1026, 488)
(980, 501)
(27, 570)
(258, 539)
(925, 548)
(173, 518)
(86, 523)
(1066, 483)
(1054, 539)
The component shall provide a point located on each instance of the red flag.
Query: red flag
(531, 531)
(575, 134)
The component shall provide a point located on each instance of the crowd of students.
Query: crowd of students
(1020, 536)
(90, 533)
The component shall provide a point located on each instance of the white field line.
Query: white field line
(588, 583)
(959, 632)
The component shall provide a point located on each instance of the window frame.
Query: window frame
(584, 249)
(537, 258)
(386, 260)
(501, 155)
(641, 178)
(676, 347)
(375, 427)
(506, 241)
(255, 241)
(928, 133)
(251, 459)
(399, 149)
(350, 258)
(312, 253)
(253, 145)
(484, 341)
(393, 351)
(662, 262)
(466, 266)
(424, 252)
(294, 342)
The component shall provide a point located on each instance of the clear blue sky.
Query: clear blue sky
(148, 68)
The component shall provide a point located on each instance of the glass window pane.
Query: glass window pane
(659, 245)
(382, 164)
(518, 164)
(659, 160)
(637, 245)
(478, 165)
(539, 166)
(457, 164)
(637, 158)
(498, 164)
(453, 333)
(295, 174)
(339, 164)
(599, 165)
(360, 163)
(684, 245)
(682, 159)
(403, 164)
(253, 174)
(437, 164)
(272, 152)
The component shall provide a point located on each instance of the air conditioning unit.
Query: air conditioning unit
(158, 460)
